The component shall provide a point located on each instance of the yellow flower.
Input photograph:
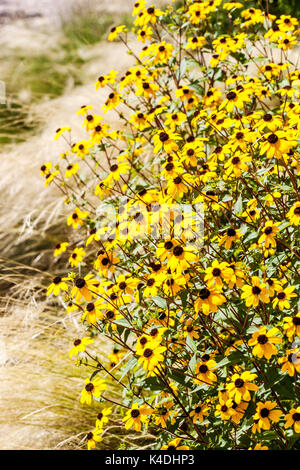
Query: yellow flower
(229, 237)
(72, 169)
(283, 296)
(93, 437)
(166, 141)
(115, 31)
(93, 388)
(290, 362)
(293, 419)
(275, 144)
(291, 326)
(151, 356)
(137, 416)
(76, 257)
(196, 42)
(235, 99)
(200, 411)
(60, 248)
(85, 288)
(102, 417)
(112, 101)
(216, 273)
(263, 342)
(110, 78)
(161, 413)
(294, 214)
(255, 293)
(57, 285)
(209, 300)
(145, 33)
(79, 346)
(240, 386)
(265, 414)
(259, 447)
(204, 374)
(60, 131)
(174, 445)
(76, 219)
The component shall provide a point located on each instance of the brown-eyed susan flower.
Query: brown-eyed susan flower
(76, 257)
(291, 326)
(290, 362)
(293, 419)
(93, 389)
(93, 437)
(199, 413)
(147, 89)
(287, 23)
(144, 34)
(115, 31)
(195, 42)
(151, 356)
(174, 445)
(229, 237)
(137, 416)
(283, 296)
(104, 80)
(234, 99)
(204, 372)
(240, 386)
(237, 165)
(162, 412)
(60, 131)
(71, 169)
(85, 288)
(166, 141)
(266, 413)
(162, 52)
(49, 177)
(181, 258)
(57, 285)
(106, 262)
(151, 14)
(152, 286)
(276, 143)
(231, 5)
(264, 342)
(209, 300)
(117, 170)
(112, 101)
(190, 329)
(79, 345)
(46, 169)
(77, 218)
(60, 248)
(286, 42)
(217, 273)
(255, 292)
(223, 408)
(103, 417)
(294, 214)
(267, 239)
(82, 148)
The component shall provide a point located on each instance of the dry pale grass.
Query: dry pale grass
(39, 385)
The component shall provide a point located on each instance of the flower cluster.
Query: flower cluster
(202, 316)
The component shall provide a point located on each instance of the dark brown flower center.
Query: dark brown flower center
(264, 412)
(272, 139)
(262, 339)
